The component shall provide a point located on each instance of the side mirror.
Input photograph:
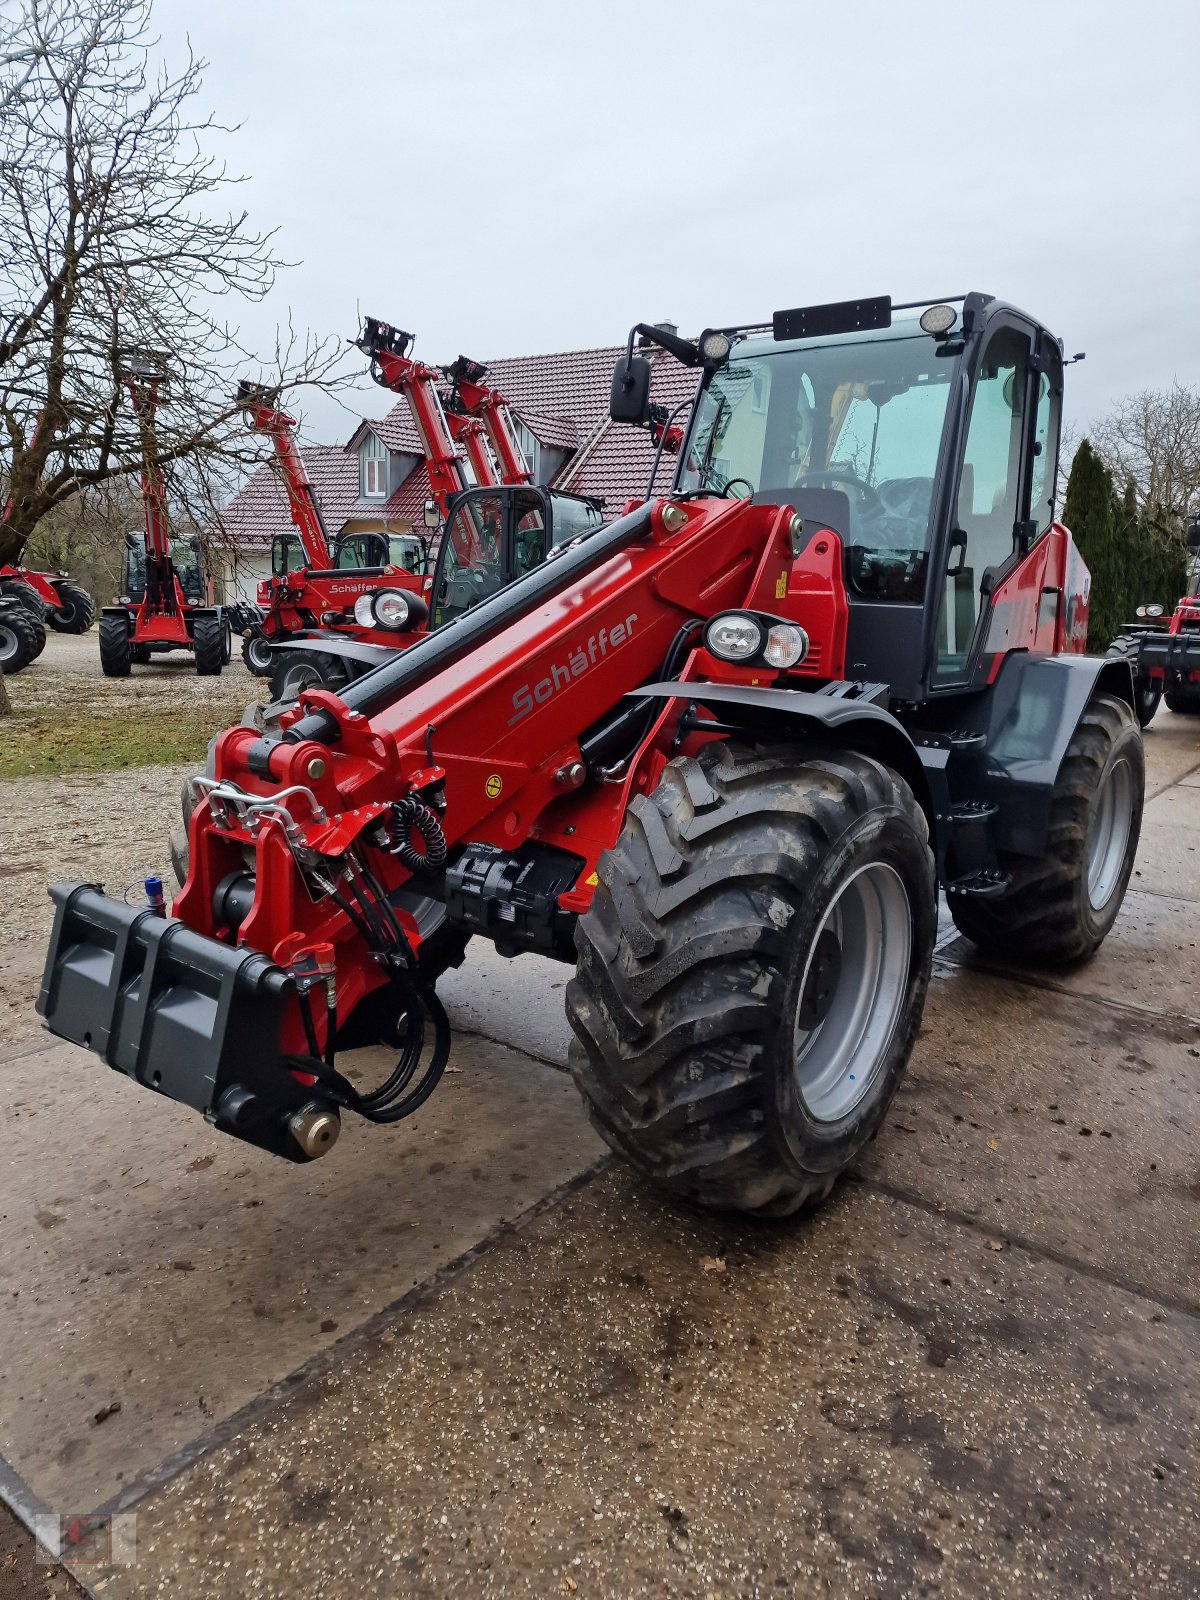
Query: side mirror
(630, 397)
(1192, 536)
(430, 515)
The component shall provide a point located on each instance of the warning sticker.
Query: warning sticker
(493, 786)
(781, 586)
(591, 880)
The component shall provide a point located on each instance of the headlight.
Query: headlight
(392, 609)
(714, 347)
(1150, 611)
(938, 319)
(363, 614)
(733, 637)
(786, 645)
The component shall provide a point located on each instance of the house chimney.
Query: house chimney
(668, 327)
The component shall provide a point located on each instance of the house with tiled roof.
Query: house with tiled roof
(376, 481)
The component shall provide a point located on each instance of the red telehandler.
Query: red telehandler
(493, 531)
(718, 754)
(166, 600)
(48, 596)
(317, 597)
(1165, 653)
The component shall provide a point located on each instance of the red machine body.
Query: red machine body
(49, 596)
(167, 601)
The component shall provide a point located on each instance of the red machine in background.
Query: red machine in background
(1164, 652)
(166, 598)
(493, 531)
(49, 596)
(342, 591)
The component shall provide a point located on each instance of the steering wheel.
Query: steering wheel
(864, 497)
(725, 495)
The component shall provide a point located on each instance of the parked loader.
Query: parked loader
(718, 754)
(166, 600)
(492, 531)
(1164, 652)
(22, 635)
(50, 596)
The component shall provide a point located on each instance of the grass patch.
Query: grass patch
(40, 746)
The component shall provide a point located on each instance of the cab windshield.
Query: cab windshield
(847, 429)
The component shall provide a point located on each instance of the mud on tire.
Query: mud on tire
(1059, 906)
(722, 1045)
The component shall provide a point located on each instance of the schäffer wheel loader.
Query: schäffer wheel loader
(717, 754)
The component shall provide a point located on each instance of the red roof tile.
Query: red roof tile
(259, 510)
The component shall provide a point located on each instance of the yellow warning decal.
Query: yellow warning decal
(591, 880)
(493, 786)
(781, 586)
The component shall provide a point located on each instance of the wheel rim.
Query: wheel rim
(1148, 698)
(297, 678)
(852, 993)
(1108, 835)
(259, 652)
(10, 645)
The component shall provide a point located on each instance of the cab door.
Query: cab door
(990, 525)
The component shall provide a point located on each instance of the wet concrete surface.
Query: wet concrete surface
(974, 1373)
(641, 1401)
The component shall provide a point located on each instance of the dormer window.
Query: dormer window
(529, 447)
(374, 469)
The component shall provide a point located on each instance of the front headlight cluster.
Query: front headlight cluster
(385, 608)
(751, 638)
(1150, 611)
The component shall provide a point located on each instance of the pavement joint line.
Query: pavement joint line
(520, 1049)
(1191, 771)
(1035, 981)
(322, 1362)
(34, 1050)
(1047, 1252)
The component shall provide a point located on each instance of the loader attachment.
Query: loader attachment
(183, 1014)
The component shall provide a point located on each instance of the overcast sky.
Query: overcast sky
(505, 178)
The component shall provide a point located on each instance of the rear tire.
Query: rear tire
(257, 654)
(1186, 702)
(752, 972)
(21, 639)
(208, 639)
(115, 651)
(295, 670)
(76, 610)
(1059, 907)
(18, 590)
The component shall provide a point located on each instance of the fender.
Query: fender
(1028, 716)
(336, 644)
(828, 717)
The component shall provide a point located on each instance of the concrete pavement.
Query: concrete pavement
(976, 1372)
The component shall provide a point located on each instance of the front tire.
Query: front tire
(115, 652)
(76, 610)
(21, 639)
(27, 596)
(1186, 702)
(257, 654)
(208, 641)
(1059, 907)
(752, 972)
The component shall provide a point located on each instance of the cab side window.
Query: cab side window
(990, 499)
(1045, 442)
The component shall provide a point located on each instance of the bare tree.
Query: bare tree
(117, 241)
(1153, 440)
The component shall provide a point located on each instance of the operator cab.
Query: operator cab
(185, 559)
(494, 535)
(355, 551)
(925, 436)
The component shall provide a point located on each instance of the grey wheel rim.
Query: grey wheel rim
(10, 645)
(1108, 835)
(297, 678)
(259, 653)
(852, 993)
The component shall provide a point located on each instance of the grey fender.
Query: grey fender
(827, 719)
(332, 644)
(1028, 718)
